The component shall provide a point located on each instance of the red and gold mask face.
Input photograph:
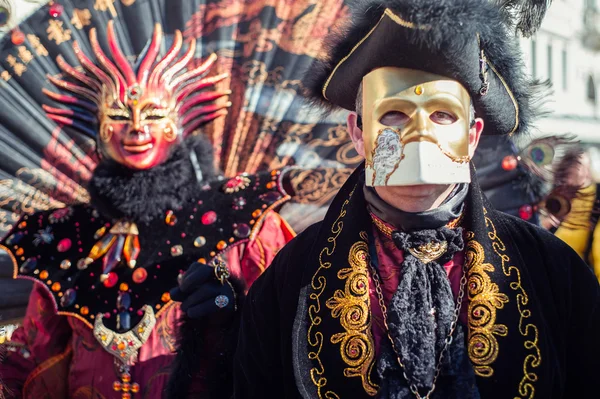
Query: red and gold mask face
(139, 135)
(141, 114)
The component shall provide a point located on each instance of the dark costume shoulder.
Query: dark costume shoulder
(532, 318)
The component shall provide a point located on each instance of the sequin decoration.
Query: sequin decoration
(123, 301)
(209, 218)
(170, 218)
(256, 213)
(238, 203)
(110, 280)
(17, 37)
(166, 297)
(65, 264)
(55, 287)
(84, 310)
(526, 212)
(64, 245)
(43, 274)
(55, 10)
(68, 298)
(100, 232)
(509, 162)
(60, 215)
(28, 266)
(221, 245)
(14, 239)
(270, 197)
(139, 275)
(199, 242)
(83, 264)
(176, 250)
(242, 230)
(236, 184)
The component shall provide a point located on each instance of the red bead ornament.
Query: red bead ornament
(526, 212)
(111, 280)
(17, 37)
(64, 245)
(510, 162)
(209, 218)
(56, 10)
(139, 275)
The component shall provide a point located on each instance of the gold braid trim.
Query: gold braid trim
(527, 330)
(485, 299)
(352, 306)
(318, 284)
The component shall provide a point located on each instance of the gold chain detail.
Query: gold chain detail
(534, 359)
(457, 308)
(352, 306)
(484, 300)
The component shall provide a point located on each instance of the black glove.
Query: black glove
(201, 294)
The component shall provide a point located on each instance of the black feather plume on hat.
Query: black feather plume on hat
(525, 15)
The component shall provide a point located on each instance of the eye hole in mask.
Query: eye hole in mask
(397, 118)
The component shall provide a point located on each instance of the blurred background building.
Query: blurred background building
(566, 51)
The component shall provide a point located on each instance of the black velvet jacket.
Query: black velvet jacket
(533, 316)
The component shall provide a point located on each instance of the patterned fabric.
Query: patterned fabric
(54, 356)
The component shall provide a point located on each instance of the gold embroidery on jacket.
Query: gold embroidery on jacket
(352, 307)
(528, 330)
(485, 299)
(318, 284)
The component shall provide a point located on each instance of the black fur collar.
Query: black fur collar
(117, 191)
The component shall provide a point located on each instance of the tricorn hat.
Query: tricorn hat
(470, 41)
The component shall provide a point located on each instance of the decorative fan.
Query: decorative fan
(520, 182)
(264, 47)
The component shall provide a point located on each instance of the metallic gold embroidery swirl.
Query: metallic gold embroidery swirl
(318, 284)
(352, 307)
(528, 330)
(484, 300)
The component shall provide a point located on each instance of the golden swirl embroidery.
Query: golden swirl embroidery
(485, 299)
(528, 330)
(352, 307)
(318, 284)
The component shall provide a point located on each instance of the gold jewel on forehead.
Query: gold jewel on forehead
(419, 90)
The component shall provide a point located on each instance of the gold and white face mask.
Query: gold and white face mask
(415, 128)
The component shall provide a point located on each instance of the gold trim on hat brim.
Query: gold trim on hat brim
(410, 25)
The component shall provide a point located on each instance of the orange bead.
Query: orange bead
(171, 219)
(126, 378)
(56, 287)
(126, 395)
(256, 213)
(43, 274)
(20, 252)
(124, 287)
(121, 346)
(202, 260)
(166, 297)
(221, 245)
(22, 225)
(117, 386)
(126, 387)
(84, 310)
(271, 185)
(135, 387)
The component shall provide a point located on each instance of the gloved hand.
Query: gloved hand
(201, 294)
